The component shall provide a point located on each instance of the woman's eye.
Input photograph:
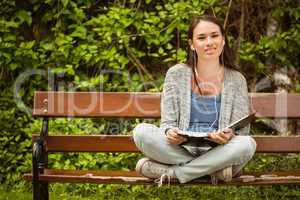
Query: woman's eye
(214, 36)
(201, 38)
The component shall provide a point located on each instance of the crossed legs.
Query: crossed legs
(152, 142)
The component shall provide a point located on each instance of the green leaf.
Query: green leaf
(27, 45)
(13, 66)
(9, 38)
(47, 46)
(24, 16)
(80, 32)
(11, 24)
(65, 3)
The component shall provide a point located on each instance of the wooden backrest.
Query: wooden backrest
(145, 105)
(125, 143)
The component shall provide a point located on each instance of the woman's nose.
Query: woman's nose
(209, 41)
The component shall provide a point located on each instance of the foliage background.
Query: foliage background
(128, 46)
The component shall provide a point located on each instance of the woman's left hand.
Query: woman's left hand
(221, 137)
(228, 133)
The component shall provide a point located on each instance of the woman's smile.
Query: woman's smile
(210, 51)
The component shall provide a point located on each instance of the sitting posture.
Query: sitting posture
(204, 95)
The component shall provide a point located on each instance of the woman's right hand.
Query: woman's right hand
(173, 136)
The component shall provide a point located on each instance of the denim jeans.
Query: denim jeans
(152, 142)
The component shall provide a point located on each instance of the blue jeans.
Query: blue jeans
(153, 143)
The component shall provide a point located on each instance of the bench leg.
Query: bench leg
(40, 191)
(44, 191)
(36, 191)
(36, 151)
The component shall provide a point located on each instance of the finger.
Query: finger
(175, 129)
(175, 140)
(171, 140)
(180, 139)
(220, 139)
(176, 133)
(171, 133)
(222, 134)
(225, 136)
(211, 135)
(227, 130)
(177, 136)
(229, 134)
(171, 137)
(213, 138)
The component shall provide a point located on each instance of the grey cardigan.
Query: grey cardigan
(176, 98)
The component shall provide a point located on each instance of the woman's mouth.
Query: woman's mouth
(210, 50)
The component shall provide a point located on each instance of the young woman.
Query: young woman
(204, 95)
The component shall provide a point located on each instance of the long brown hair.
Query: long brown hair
(226, 58)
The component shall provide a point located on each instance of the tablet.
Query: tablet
(241, 123)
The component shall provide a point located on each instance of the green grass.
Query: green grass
(22, 190)
(93, 192)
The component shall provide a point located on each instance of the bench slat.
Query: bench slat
(145, 105)
(131, 177)
(125, 143)
(97, 104)
(91, 143)
(276, 105)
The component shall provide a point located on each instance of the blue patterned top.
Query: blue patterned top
(205, 112)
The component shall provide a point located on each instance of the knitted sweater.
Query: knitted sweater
(176, 99)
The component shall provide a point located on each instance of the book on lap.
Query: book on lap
(239, 124)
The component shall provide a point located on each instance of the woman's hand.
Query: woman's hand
(173, 136)
(221, 137)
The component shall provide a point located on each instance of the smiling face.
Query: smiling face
(207, 40)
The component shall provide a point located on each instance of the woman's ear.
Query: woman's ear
(191, 45)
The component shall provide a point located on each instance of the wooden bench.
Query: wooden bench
(139, 105)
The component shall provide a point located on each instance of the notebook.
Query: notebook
(241, 123)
